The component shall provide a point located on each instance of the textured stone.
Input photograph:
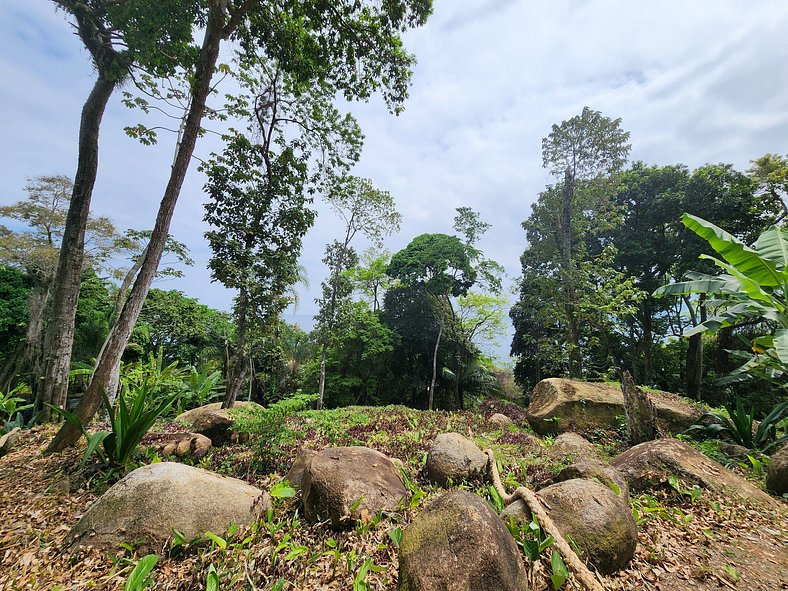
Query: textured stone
(559, 405)
(148, 503)
(650, 464)
(458, 543)
(337, 478)
(454, 458)
(599, 521)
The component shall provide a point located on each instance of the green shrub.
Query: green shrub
(132, 419)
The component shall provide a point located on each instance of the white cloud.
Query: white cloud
(693, 82)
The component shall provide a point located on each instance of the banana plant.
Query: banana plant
(753, 285)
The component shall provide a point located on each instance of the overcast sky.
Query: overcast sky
(693, 82)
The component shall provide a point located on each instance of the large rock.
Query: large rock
(599, 521)
(212, 420)
(458, 543)
(559, 405)
(337, 478)
(591, 469)
(650, 464)
(574, 445)
(148, 503)
(777, 477)
(454, 458)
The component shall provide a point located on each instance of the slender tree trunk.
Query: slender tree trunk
(62, 309)
(238, 372)
(695, 357)
(648, 349)
(321, 386)
(124, 324)
(435, 366)
(567, 276)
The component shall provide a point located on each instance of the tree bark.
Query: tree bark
(570, 299)
(694, 375)
(640, 412)
(59, 333)
(321, 386)
(238, 371)
(121, 331)
(435, 366)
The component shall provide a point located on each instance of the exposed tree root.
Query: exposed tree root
(584, 576)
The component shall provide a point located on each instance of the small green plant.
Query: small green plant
(11, 409)
(140, 578)
(530, 537)
(739, 424)
(199, 388)
(129, 424)
(212, 579)
(692, 493)
(559, 573)
(396, 536)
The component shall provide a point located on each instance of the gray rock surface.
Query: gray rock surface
(599, 522)
(591, 469)
(454, 458)
(559, 405)
(650, 464)
(212, 421)
(777, 477)
(148, 503)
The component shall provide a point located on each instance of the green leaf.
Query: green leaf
(139, 579)
(212, 579)
(773, 246)
(218, 540)
(559, 572)
(743, 258)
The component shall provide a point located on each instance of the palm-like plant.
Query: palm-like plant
(753, 286)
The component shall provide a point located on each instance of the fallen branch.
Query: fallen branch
(584, 576)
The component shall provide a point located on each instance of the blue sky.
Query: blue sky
(693, 82)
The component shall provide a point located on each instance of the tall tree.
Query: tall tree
(583, 151)
(355, 47)
(117, 36)
(259, 192)
(439, 265)
(364, 210)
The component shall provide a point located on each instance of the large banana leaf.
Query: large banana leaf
(753, 289)
(707, 285)
(780, 344)
(746, 260)
(773, 246)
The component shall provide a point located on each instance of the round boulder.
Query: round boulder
(148, 503)
(459, 543)
(777, 477)
(213, 421)
(572, 444)
(595, 470)
(599, 522)
(454, 458)
(500, 421)
(338, 478)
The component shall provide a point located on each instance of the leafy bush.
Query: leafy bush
(268, 424)
(739, 425)
(199, 388)
(129, 424)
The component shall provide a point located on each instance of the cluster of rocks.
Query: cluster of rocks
(457, 541)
